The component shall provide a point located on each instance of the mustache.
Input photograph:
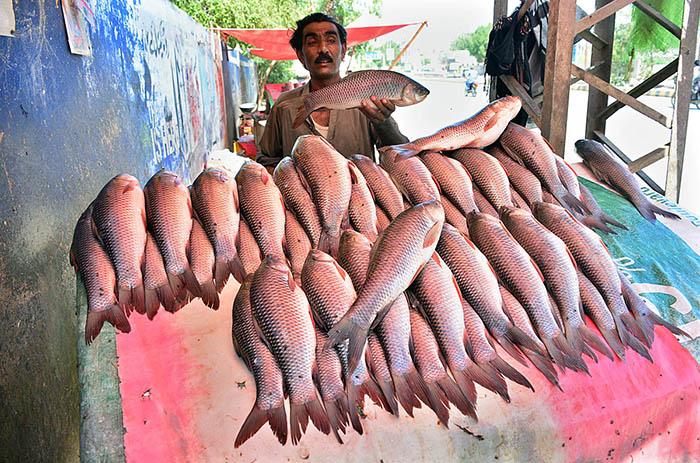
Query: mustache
(323, 57)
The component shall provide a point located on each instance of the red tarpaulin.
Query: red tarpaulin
(273, 44)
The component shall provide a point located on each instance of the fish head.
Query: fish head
(308, 146)
(316, 255)
(508, 213)
(544, 211)
(352, 238)
(215, 174)
(275, 263)
(509, 105)
(474, 218)
(434, 210)
(590, 149)
(413, 93)
(283, 167)
(360, 159)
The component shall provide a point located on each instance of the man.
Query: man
(320, 44)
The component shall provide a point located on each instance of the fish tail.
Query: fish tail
(590, 338)
(562, 353)
(489, 377)
(430, 396)
(235, 266)
(594, 222)
(356, 403)
(545, 366)
(573, 336)
(95, 321)
(613, 340)
(510, 372)
(510, 347)
(454, 395)
(649, 211)
(520, 338)
(302, 114)
(405, 393)
(221, 273)
(257, 417)
(571, 202)
(656, 320)
(138, 299)
(299, 415)
(191, 283)
(151, 301)
(356, 335)
(209, 295)
(386, 387)
(337, 411)
(124, 298)
(607, 219)
(629, 339)
(179, 291)
(466, 386)
(634, 327)
(638, 347)
(167, 298)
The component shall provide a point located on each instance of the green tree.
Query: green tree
(475, 42)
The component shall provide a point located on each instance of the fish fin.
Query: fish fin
(236, 268)
(594, 222)
(437, 184)
(356, 335)
(607, 219)
(628, 339)
(652, 210)
(95, 321)
(590, 338)
(298, 420)
(124, 298)
(562, 353)
(489, 377)
(209, 295)
(510, 372)
(573, 336)
(491, 122)
(613, 340)
(337, 410)
(353, 173)
(405, 393)
(640, 312)
(465, 385)
(656, 320)
(277, 417)
(634, 328)
(374, 392)
(386, 387)
(405, 151)
(455, 396)
(302, 114)
(151, 302)
(571, 202)
(545, 366)
(138, 298)
(431, 396)
(520, 338)
(178, 289)
(166, 297)
(190, 282)
(356, 401)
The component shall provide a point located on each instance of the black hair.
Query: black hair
(297, 39)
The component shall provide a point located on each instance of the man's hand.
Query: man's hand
(383, 110)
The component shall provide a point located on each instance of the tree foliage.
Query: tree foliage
(475, 42)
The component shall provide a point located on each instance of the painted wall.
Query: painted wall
(150, 96)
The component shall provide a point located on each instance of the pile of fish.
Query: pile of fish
(394, 281)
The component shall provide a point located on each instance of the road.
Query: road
(632, 132)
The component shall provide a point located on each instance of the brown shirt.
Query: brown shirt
(349, 131)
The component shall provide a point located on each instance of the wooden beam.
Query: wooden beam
(560, 41)
(620, 95)
(686, 62)
(597, 100)
(591, 69)
(425, 23)
(532, 108)
(648, 159)
(500, 9)
(593, 39)
(600, 14)
(651, 82)
(658, 17)
(618, 152)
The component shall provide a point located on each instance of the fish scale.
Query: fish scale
(330, 385)
(297, 198)
(520, 177)
(248, 250)
(298, 245)
(202, 261)
(157, 290)
(411, 177)
(362, 211)
(453, 179)
(488, 174)
(269, 383)
(385, 192)
(282, 313)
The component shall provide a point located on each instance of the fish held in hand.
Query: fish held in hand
(92, 263)
(119, 222)
(350, 91)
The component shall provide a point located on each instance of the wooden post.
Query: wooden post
(686, 60)
(425, 23)
(500, 9)
(560, 41)
(597, 100)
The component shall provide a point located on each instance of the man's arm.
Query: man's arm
(385, 127)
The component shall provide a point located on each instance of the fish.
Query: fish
(329, 382)
(169, 213)
(330, 292)
(531, 150)
(558, 268)
(269, 382)
(119, 223)
(525, 182)
(480, 349)
(298, 245)
(478, 131)
(385, 193)
(283, 316)
(262, 207)
(595, 307)
(438, 293)
(454, 216)
(608, 170)
(297, 198)
(516, 269)
(411, 177)
(426, 355)
(330, 180)
(518, 200)
(453, 178)
(516, 312)
(215, 201)
(568, 176)
(383, 220)
(593, 258)
(488, 174)
(397, 257)
(598, 218)
(377, 363)
(362, 211)
(478, 285)
(157, 290)
(482, 203)
(248, 250)
(203, 263)
(350, 91)
(91, 262)
(353, 256)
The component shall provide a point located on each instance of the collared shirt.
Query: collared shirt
(349, 131)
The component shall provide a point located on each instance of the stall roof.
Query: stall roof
(273, 44)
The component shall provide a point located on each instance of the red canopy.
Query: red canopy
(274, 43)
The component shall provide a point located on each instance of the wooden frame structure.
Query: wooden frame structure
(598, 28)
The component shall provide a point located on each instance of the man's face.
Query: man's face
(321, 51)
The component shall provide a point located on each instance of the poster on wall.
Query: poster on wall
(7, 18)
(76, 14)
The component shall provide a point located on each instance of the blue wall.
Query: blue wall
(150, 95)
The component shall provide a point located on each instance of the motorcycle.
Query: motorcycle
(470, 88)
